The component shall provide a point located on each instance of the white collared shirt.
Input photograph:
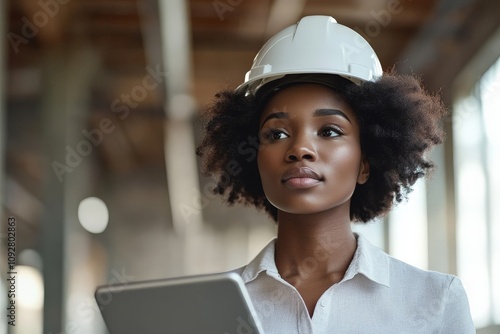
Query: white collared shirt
(378, 294)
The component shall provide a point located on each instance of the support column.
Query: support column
(3, 75)
(52, 224)
(180, 158)
(68, 73)
(3, 128)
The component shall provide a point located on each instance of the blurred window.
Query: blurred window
(408, 228)
(476, 134)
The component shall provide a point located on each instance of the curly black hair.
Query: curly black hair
(399, 122)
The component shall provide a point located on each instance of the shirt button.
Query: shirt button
(323, 303)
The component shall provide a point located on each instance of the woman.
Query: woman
(338, 142)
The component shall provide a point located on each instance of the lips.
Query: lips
(301, 177)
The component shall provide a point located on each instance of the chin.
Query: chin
(311, 207)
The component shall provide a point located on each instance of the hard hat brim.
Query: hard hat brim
(333, 81)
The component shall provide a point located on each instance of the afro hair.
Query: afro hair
(399, 122)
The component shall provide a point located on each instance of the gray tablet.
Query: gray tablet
(207, 304)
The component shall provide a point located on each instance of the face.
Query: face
(309, 157)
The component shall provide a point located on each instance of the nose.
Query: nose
(301, 149)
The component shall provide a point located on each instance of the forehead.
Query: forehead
(304, 98)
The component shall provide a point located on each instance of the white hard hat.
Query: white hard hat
(316, 44)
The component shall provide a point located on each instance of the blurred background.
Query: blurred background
(98, 121)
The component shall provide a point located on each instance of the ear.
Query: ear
(364, 171)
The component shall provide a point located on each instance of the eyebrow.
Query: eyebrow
(317, 113)
(278, 115)
(329, 112)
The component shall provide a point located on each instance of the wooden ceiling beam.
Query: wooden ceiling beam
(282, 14)
(449, 40)
(45, 21)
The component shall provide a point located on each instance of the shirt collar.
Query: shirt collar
(264, 261)
(368, 260)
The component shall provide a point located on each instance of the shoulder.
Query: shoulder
(435, 296)
(425, 284)
(403, 272)
(431, 299)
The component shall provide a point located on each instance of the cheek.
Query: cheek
(267, 166)
(262, 163)
(346, 159)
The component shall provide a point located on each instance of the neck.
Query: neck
(314, 247)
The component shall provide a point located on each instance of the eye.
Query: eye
(330, 131)
(278, 134)
(271, 135)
